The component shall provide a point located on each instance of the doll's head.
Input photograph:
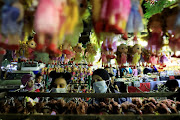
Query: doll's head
(99, 78)
(78, 48)
(60, 81)
(156, 24)
(91, 48)
(38, 78)
(146, 54)
(170, 15)
(28, 81)
(122, 48)
(31, 43)
(136, 49)
(82, 6)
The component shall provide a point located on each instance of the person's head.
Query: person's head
(28, 81)
(99, 78)
(60, 81)
(172, 85)
(38, 78)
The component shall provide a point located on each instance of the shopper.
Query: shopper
(38, 85)
(60, 82)
(28, 83)
(100, 78)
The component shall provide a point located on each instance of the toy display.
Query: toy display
(76, 47)
(122, 54)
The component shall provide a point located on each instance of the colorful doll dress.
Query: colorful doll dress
(47, 17)
(155, 41)
(134, 23)
(9, 16)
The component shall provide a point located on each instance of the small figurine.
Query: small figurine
(122, 54)
(91, 51)
(136, 54)
(78, 53)
(31, 48)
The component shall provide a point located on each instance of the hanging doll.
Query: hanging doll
(22, 51)
(78, 49)
(153, 60)
(155, 29)
(48, 22)
(170, 16)
(108, 49)
(122, 54)
(145, 56)
(110, 15)
(12, 24)
(31, 48)
(104, 52)
(91, 52)
(137, 54)
(163, 61)
(134, 24)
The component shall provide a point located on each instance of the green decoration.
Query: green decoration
(44, 57)
(5, 63)
(157, 6)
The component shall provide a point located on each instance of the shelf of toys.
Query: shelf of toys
(30, 109)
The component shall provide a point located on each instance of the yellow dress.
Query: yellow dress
(136, 58)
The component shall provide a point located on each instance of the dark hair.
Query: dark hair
(102, 73)
(171, 84)
(38, 75)
(67, 76)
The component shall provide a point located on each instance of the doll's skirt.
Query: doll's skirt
(134, 23)
(174, 45)
(47, 18)
(9, 21)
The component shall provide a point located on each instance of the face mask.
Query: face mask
(58, 90)
(100, 87)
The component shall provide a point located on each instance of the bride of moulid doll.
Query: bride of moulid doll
(48, 21)
(137, 54)
(122, 54)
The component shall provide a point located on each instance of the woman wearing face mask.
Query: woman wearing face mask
(101, 82)
(59, 83)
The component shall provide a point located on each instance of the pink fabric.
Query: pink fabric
(47, 17)
(123, 58)
(174, 44)
(105, 45)
(31, 53)
(155, 40)
(104, 59)
(135, 72)
(119, 8)
(153, 60)
(68, 57)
